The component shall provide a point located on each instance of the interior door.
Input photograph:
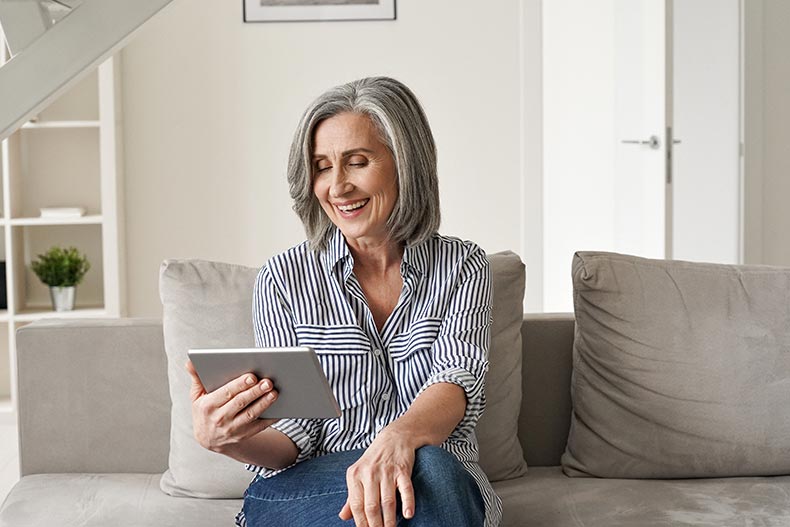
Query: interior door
(604, 98)
(620, 78)
(706, 175)
(640, 109)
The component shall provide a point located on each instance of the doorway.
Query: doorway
(642, 133)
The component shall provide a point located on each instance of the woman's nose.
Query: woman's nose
(340, 184)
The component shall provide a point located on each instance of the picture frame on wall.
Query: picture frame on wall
(317, 10)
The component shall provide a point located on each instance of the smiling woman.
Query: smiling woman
(399, 317)
(391, 110)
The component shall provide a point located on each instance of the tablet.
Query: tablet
(303, 390)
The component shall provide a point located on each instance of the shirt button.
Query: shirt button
(376, 352)
(385, 396)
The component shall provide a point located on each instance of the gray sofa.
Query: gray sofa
(94, 422)
(669, 379)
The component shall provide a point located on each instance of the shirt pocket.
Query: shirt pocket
(416, 342)
(344, 354)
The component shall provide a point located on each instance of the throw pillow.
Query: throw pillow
(205, 305)
(679, 369)
(501, 456)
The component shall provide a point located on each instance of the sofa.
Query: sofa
(96, 413)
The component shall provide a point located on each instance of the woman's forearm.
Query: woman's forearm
(432, 417)
(270, 448)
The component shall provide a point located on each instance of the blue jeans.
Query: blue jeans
(312, 493)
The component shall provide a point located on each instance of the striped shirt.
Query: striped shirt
(438, 332)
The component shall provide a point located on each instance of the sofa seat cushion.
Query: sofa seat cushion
(545, 497)
(120, 500)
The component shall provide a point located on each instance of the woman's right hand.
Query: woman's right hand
(229, 415)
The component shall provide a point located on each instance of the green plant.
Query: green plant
(59, 267)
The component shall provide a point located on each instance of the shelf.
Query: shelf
(94, 219)
(31, 314)
(40, 125)
(7, 416)
(75, 164)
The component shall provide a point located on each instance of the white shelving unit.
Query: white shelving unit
(69, 156)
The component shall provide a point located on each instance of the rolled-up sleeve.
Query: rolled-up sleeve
(273, 327)
(460, 352)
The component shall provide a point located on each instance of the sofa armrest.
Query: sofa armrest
(93, 396)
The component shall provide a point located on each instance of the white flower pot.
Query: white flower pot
(62, 298)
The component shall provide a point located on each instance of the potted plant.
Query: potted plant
(62, 270)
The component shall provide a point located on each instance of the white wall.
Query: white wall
(210, 104)
(776, 133)
(578, 186)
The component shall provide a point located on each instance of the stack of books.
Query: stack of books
(62, 212)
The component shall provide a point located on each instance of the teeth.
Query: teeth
(353, 206)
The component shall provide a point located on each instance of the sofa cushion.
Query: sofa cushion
(205, 305)
(547, 498)
(680, 369)
(209, 304)
(101, 500)
(501, 456)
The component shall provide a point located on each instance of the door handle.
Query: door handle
(653, 142)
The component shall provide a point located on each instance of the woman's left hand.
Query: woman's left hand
(373, 480)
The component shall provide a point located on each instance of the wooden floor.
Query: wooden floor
(9, 459)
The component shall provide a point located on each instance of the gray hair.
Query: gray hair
(397, 115)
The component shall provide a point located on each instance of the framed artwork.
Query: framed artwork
(317, 10)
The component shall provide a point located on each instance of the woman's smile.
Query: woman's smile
(351, 209)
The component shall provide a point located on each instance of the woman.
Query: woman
(399, 317)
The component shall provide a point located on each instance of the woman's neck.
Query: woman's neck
(376, 258)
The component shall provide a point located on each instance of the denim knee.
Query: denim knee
(437, 466)
(445, 492)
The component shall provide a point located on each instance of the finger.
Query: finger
(252, 393)
(406, 490)
(356, 501)
(388, 503)
(197, 389)
(249, 413)
(373, 504)
(345, 512)
(226, 393)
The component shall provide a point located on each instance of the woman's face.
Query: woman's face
(354, 177)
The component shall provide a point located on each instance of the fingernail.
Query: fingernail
(265, 385)
(270, 396)
(249, 381)
(407, 513)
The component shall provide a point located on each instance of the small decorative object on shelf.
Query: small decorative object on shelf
(62, 212)
(62, 270)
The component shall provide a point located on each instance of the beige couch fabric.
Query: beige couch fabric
(547, 498)
(680, 369)
(209, 305)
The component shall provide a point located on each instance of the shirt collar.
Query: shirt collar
(336, 250)
(415, 257)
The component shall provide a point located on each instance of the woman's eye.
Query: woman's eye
(321, 169)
